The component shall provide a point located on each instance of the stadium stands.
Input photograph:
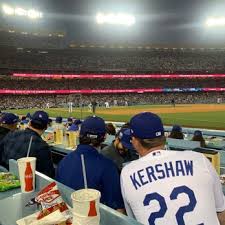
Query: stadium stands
(31, 40)
(7, 82)
(179, 61)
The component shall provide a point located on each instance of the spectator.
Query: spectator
(69, 122)
(15, 144)
(110, 137)
(121, 150)
(58, 125)
(169, 181)
(101, 172)
(8, 122)
(176, 132)
(199, 137)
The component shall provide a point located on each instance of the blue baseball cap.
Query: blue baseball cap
(198, 133)
(146, 125)
(9, 118)
(58, 119)
(177, 128)
(73, 127)
(40, 117)
(125, 137)
(93, 125)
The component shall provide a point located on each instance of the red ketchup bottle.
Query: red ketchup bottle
(28, 178)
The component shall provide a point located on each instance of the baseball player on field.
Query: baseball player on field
(169, 187)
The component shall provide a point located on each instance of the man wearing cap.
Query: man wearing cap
(176, 132)
(75, 125)
(8, 122)
(121, 149)
(199, 137)
(101, 172)
(15, 144)
(58, 123)
(69, 122)
(169, 187)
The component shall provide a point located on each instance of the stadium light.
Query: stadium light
(215, 22)
(115, 19)
(33, 14)
(8, 10)
(18, 11)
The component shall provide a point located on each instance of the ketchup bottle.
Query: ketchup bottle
(28, 178)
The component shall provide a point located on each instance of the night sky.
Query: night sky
(163, 22)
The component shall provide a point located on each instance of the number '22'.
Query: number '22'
(163, 207)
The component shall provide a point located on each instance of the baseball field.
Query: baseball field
(210, 116)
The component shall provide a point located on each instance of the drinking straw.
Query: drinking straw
(28, 151)
(84, 171)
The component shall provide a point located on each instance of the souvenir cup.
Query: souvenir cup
(27, 167)
(86, 207)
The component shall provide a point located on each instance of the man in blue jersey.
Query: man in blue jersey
(101, 172)
(169, 187)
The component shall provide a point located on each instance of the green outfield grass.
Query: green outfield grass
(213, 120)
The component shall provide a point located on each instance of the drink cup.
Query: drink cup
(27, 167)
(86, 206)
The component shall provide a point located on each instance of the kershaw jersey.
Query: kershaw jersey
(172, 188)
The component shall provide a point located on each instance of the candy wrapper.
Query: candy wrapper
(8, 181)
(51, 201)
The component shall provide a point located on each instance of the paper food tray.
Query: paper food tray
(53, 218)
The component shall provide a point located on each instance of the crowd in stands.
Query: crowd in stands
(130, 61)
(84, 84)
(40, 101)
(27, 40)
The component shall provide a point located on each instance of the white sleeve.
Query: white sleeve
(126, 204)
(217, 187)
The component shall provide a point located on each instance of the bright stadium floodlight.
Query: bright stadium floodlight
(8, 10)
(215, 22)
(20, 12)
(115, 19)
(33, 14)
(100, 18)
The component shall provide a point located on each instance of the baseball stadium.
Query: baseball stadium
(112, 112)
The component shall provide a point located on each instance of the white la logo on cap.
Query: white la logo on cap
(40, 116)
(157, 134)
(120, 135)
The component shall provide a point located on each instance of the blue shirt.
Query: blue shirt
(73, 127)
(102, 174)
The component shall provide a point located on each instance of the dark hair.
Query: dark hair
(126, 125)
(23, 117)
(110, 129)
(96, 142)
(152, 143)
(176, 135)
(38, 125)
(200, 139)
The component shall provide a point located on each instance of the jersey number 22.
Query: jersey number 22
(163, 206)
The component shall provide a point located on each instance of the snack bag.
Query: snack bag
(8, 181)
(51, 200)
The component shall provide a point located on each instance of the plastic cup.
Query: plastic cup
(83, 220)
(27, 167)
(86, 206)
